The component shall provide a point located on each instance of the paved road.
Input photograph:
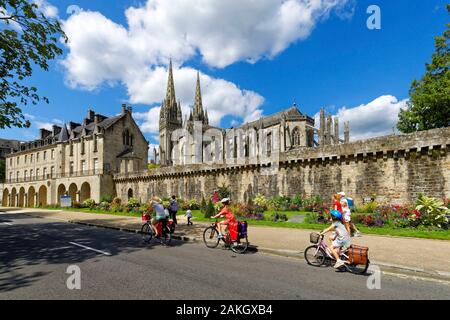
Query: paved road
(35, 253)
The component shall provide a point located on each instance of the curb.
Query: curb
(384, 266)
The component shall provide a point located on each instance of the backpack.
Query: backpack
(351, 203)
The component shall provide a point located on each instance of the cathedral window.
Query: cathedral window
(296, 137)
(269, 144)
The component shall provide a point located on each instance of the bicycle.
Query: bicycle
(319, 255)
(148, 233)
(211, 239)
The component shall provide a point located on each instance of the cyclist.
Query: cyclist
(229, 217)
(349, 225)
(160, 214)
(342, 239)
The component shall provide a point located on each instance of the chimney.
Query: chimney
(124, 108)
(91, 115)
(44, 133)
(97, 119)
(56, 130)
(130, 109)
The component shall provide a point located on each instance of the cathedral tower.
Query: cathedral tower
(170, 119)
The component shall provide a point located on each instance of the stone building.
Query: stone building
(194, 141)
(8, 146)
(77, 159)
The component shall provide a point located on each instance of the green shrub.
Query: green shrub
(133, 203)
(261, 201)
(370, 207)
(433, 212)
(107, 199)
(116, 201)
(89, 203)
(312, 217)
(209, 211)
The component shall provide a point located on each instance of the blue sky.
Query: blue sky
(359, 74)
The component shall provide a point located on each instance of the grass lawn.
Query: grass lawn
(198, 216)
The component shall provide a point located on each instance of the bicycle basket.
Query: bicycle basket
(314, 237)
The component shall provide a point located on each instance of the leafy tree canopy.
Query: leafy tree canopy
(27, 39)
(429, 105)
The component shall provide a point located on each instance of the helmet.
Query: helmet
(336, 214)
(342, 193)
(225, 200)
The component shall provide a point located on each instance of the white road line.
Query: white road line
(89, 248)
(7, 223)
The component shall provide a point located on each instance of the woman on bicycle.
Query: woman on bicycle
(342, 238)
(229, 217)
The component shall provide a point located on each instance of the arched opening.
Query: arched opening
(130, 193)
(73, 189)
(42, 196)
(85, 192)
(61, 192)
(13, 197)
(31, 197)
(5, 198)
(21, 197)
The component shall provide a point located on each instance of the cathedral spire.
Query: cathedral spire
(170, 95)
(199, 114)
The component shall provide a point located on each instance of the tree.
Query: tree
(429, 105)
(27, 38)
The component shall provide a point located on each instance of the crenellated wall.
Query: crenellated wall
(394, 168)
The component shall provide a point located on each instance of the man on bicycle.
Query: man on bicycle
(229, 217)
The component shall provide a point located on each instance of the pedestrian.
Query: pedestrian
(188, 215)
(173, 209)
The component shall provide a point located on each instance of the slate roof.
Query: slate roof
(290, 114)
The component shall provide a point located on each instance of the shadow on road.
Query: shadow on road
(48, 243)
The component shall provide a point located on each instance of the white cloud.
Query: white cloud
(222, 32)
(43, 125)
(50, 11)
(377, 118)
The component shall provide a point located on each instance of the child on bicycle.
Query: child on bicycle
(349, 225)
(341, 240)
(229, 217)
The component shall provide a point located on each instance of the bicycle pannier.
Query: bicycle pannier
(357, 255)
(314, 237)
(233, 227)
(242, 229)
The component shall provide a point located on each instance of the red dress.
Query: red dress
(337, 206)
(229, 216)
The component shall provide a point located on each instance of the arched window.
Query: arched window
(130, 194)
(296, 137)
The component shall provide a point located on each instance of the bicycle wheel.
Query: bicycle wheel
(147, 233)
(359, 268)
(210, 237)
(166, 238)
(315, 257)
(240, 246)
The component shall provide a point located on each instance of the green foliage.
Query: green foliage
(133, 203)
(370, 207)
(312, 217)
(224, 192)
(261, 201)
(34, 45)
(107, 199)
(152, 166)
(433, 212)
(209, 210)
(429, 105)
(89, 203)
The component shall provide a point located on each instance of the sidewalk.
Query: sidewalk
(416, 255)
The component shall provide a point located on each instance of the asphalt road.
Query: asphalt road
(35, 254)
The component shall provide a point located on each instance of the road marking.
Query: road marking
(89, 248)
(7, 223)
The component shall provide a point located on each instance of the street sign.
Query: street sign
(66, 201)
